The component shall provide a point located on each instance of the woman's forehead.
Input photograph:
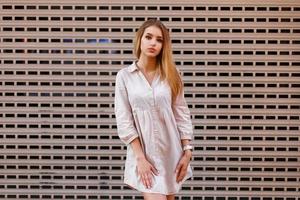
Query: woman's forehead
(154, 31)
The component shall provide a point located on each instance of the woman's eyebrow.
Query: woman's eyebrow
(160, 37)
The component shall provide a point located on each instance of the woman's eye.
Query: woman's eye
(159, 40)
(148, 37)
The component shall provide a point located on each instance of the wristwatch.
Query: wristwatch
(188, 147)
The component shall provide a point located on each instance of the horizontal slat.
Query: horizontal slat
(117, 192)
(245, 115)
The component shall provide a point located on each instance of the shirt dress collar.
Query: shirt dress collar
(133, 67)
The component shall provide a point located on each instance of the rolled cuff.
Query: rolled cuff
(186, 136)
(128, 138)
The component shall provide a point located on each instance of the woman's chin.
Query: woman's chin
(151, 55)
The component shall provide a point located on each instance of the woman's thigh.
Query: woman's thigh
(170, 197)
(154, 196)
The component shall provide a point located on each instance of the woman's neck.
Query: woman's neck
(147, 64)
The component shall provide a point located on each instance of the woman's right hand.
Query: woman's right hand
(146, 170)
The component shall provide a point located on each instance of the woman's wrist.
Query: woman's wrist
(140, 157)
(188, 153)
(187, 147)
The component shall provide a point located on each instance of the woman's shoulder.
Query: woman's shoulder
(125, 71)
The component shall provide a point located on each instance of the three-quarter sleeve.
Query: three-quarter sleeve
(182, 117)
(124, 118)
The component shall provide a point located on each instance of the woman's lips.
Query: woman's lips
(151, 50)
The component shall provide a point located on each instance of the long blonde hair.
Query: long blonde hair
(164, 59)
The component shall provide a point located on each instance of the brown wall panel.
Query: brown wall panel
(240, 64)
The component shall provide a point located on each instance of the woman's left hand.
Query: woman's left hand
(182, 165)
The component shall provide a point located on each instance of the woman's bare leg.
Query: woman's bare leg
(171, 197)
(154, 196)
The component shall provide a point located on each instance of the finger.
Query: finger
(150, 175)
(181, 174)
(178, 177)
(178, 174)
(148, 180)
(144, 180)
(178, 168)
(154, 171)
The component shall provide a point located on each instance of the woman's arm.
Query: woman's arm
(125, 123)
(183, 163)
(185, 128)
(137, 149)
(128, 133)
(145, 169)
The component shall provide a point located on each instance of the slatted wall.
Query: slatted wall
(241, 68)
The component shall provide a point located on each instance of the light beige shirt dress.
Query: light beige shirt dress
(145, 111)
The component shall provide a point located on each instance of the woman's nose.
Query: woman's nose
(153, 42)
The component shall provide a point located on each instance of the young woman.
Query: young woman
(152, 117)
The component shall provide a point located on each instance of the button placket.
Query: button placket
(154, 123)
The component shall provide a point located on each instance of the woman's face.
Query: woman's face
(151, 41)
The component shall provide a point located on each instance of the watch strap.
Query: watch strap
(187, 147)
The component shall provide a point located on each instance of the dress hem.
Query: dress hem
(132, 187)
(143, 191)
